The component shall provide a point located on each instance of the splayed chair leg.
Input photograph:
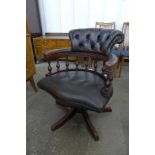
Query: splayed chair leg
(90, 125)
(63, 120)
(85, 115)
(107, 109)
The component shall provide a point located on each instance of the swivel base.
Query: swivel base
(85, 115)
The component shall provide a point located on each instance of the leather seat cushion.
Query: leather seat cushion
(77, 89)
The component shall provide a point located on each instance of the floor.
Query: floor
(73, 138)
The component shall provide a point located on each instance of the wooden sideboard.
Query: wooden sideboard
(53, 41)
(30, 65)
(45, 43)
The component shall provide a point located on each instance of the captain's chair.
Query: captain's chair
(80, 88)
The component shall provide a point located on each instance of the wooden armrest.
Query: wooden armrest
(48, 55)
(51, 52)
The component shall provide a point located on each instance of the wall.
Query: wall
(33, 17)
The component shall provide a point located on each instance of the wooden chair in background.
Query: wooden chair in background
(30, 63)
(124, 47)
(110, 25)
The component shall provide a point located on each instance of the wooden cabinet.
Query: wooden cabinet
(44, 43)
(30, 65)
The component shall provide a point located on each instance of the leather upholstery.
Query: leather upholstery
(95, 40)
(78, 88)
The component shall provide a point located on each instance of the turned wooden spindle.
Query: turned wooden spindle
(49, 68)
(77, 63)
(86, 63)
(95, 65)
(67, 63)
(108, 74)
(58, 66)
(103, 67)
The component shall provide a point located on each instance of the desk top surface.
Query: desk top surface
(52, 37)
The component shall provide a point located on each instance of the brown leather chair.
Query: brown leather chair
(79, 88)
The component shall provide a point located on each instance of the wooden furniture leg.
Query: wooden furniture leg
(90, 125)
(64, 119)
(33, 84)
(90, 62)
(85, 115)
(107, 109)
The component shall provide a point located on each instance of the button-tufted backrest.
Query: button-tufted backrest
(95, 40)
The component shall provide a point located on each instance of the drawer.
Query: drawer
(41, 45)
(63, 44)
(39, 42)
(51, 43)
(50, 48)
